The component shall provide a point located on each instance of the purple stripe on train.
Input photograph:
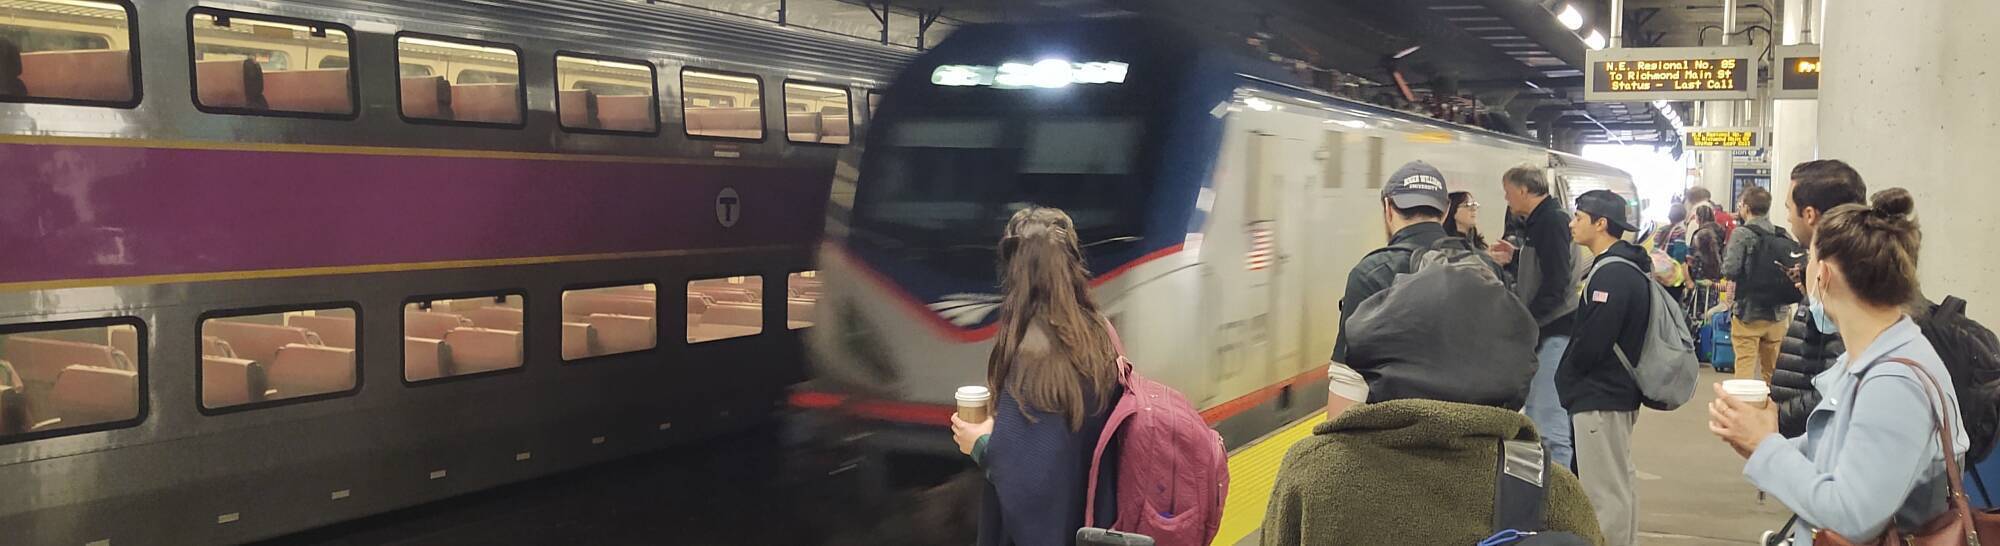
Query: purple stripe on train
(78, 212)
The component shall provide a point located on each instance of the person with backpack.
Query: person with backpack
(1544, 273)
(1597, 388)
(1439, 454)
(1414, 201)
(1698, 197)
(1880, 449)
(1705, 247)
(1818, 187)
(1759, 260)
(1054, 372)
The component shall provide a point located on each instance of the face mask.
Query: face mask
(1818, 308)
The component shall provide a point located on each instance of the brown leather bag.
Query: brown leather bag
(1959, 525)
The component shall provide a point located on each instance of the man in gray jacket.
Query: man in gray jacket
(1757, 329)
(1546, 279)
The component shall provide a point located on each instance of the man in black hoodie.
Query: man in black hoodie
(1595, 385)
(1544, 270)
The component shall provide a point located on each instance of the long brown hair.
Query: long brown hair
(1053, 352)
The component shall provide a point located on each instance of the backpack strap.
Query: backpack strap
(1519, 496)
(1120, 411)
(1630, 366)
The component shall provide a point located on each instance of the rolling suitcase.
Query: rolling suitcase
(1722, 355)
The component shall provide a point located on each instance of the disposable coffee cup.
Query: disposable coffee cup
(1749, 391)
(974, 403)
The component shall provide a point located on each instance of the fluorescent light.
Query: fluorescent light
(1258, 104)
(1595, 40)
(1406, 52)
(1570, 17)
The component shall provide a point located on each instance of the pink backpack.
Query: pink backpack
(1173, 474)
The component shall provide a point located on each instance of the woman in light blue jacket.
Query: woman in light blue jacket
(1870, 457)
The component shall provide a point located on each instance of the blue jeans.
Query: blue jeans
(1545, 408)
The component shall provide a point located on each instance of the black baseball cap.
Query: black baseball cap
(1606, 205)
(1417, 184)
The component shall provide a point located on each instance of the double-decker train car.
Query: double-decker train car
(270, 265)
(1221, 210)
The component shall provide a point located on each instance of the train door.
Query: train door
(1287, 175)
(1236, 261)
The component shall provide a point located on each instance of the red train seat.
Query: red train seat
(474, 350)
(104, 75)
(40, 362)
(497, 318)
(577, 340)
(215, 346)
(426, 97)
(486, 102)
(799, 312)
(259, 342)
(735, 315)
(626, 113)
(836, 129)
(126, 340)
(424, 358)
(88, 394)
(230, 381)
(622, 333)
(303, 370)
(726, 122)
(332, 331)
(592, 303)
(431, 324)
(802, 126)
(727, 294)
(578, 108)
(234, 83)
(697, 303)
(324, 91)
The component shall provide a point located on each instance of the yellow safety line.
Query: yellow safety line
(105, 142)
(1253, 471)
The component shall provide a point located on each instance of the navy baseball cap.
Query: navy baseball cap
(1417, 184)
(1606, 205)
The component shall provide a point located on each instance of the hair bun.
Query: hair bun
(1895, 203)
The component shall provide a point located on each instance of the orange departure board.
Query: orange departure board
(1724, 138)
(1633, 74)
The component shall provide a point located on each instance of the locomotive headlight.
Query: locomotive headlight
(1042, 74)
(958, 75)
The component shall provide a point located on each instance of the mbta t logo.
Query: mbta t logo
(728, 207)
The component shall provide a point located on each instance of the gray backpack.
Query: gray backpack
(1667, 366)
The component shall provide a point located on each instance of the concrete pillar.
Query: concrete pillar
(1794, 123)
(1716, 172)
(1907, 98)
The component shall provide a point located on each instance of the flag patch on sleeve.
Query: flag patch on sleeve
(1599, 296)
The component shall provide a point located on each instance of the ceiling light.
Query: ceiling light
(1406, 52)
(1595, 40)
(1570, 17)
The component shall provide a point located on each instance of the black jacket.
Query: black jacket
(1544, 269)
(1375, 271)
(1805, 354)
(1615, 309)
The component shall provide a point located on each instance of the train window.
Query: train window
(55, 378)
(722, 105)
(68, 51)
(462, 336)
(247, 359)
(724, 308)
(606, 94)
(1334, 145)
(802, 291)
(817, 114)
(1375, 152)
(457, 80)
(256, 65)
(610, 320)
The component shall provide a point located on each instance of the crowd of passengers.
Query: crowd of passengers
(1442, 390)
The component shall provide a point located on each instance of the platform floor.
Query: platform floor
(757, 488)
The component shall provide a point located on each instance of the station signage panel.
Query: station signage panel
(1670, 73)
(1723, 138)
(1798, 72)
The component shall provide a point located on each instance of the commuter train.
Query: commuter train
(266, 266)
(1221, 210)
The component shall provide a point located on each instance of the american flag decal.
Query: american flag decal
(1263, 247)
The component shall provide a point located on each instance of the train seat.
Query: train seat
(259, 342)
(40, 362)
(735, 314)
(215, 346)
(626, 113)
(577, 339)
(800, 310)
(431, 324)
(230, 381)
(578, 108)
(104, 74)
(591, 303)
(474, 350)
(486, 102)
(622, 333)
(233, 83)
(13, 410)
(302, 370)
(425, 358)
(88, 394)
(803, 126)
(426, 97)
(332, 331)
(126, 340)
(497, 318)
(836, 129)
(697, 303)
(324, 91)
(727, 295)
(726, 122)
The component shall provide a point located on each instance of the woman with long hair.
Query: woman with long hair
(1054, 372)
(1463, 220)
(1871, 460)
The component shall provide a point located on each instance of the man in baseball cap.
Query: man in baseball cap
(1594, 383)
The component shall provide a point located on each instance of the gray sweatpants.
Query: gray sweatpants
(1604, 464)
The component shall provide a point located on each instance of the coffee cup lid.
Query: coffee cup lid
(1746, 386)
(973, 392)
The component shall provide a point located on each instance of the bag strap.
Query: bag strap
(1630, 367)
(1945, 425)
(1519, 496)
(1110, 429)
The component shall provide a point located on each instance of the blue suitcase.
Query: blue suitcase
(1722, 353)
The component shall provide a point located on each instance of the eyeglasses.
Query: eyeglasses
(1474, 205)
